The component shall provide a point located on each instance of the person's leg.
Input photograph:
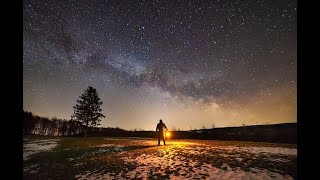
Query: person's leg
(158, 140)
(164, 141)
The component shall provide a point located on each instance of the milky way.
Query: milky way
(191, 63)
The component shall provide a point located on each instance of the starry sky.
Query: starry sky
(192, 63)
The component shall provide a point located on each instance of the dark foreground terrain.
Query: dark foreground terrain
(140, 158)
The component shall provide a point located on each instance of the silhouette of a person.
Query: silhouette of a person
(160, 127)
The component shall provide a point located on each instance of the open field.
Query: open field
(140, 158)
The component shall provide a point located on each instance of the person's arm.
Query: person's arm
(166, 127)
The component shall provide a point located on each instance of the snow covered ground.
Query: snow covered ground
(187, 160)
(257, 150)
(37, 146)
(126, 158)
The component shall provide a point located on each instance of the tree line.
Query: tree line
(33, 124)
(36, 125)
(86, 116)
(278, 133)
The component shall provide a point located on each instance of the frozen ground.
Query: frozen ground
(186, 160)
(133, 158)
(33, 147)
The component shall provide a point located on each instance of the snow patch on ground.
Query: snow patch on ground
(109, 149)
(109, 145)
(258, 150)
(78, 164)
(70, 159)
(32, 168)
(170, 162)
(173, 169)
(206, 171)
(34, 147)
(90, 175)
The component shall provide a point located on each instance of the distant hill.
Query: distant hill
(274, 133)
(278, 133)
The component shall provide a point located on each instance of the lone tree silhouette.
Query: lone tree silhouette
(87, 110)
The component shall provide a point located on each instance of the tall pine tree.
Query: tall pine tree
(87, 110)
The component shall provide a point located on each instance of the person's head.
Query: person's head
(160, 120)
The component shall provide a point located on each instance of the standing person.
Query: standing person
(160, 127)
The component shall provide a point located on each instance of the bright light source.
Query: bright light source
(168, 134)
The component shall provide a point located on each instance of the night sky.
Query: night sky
(191, 63)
